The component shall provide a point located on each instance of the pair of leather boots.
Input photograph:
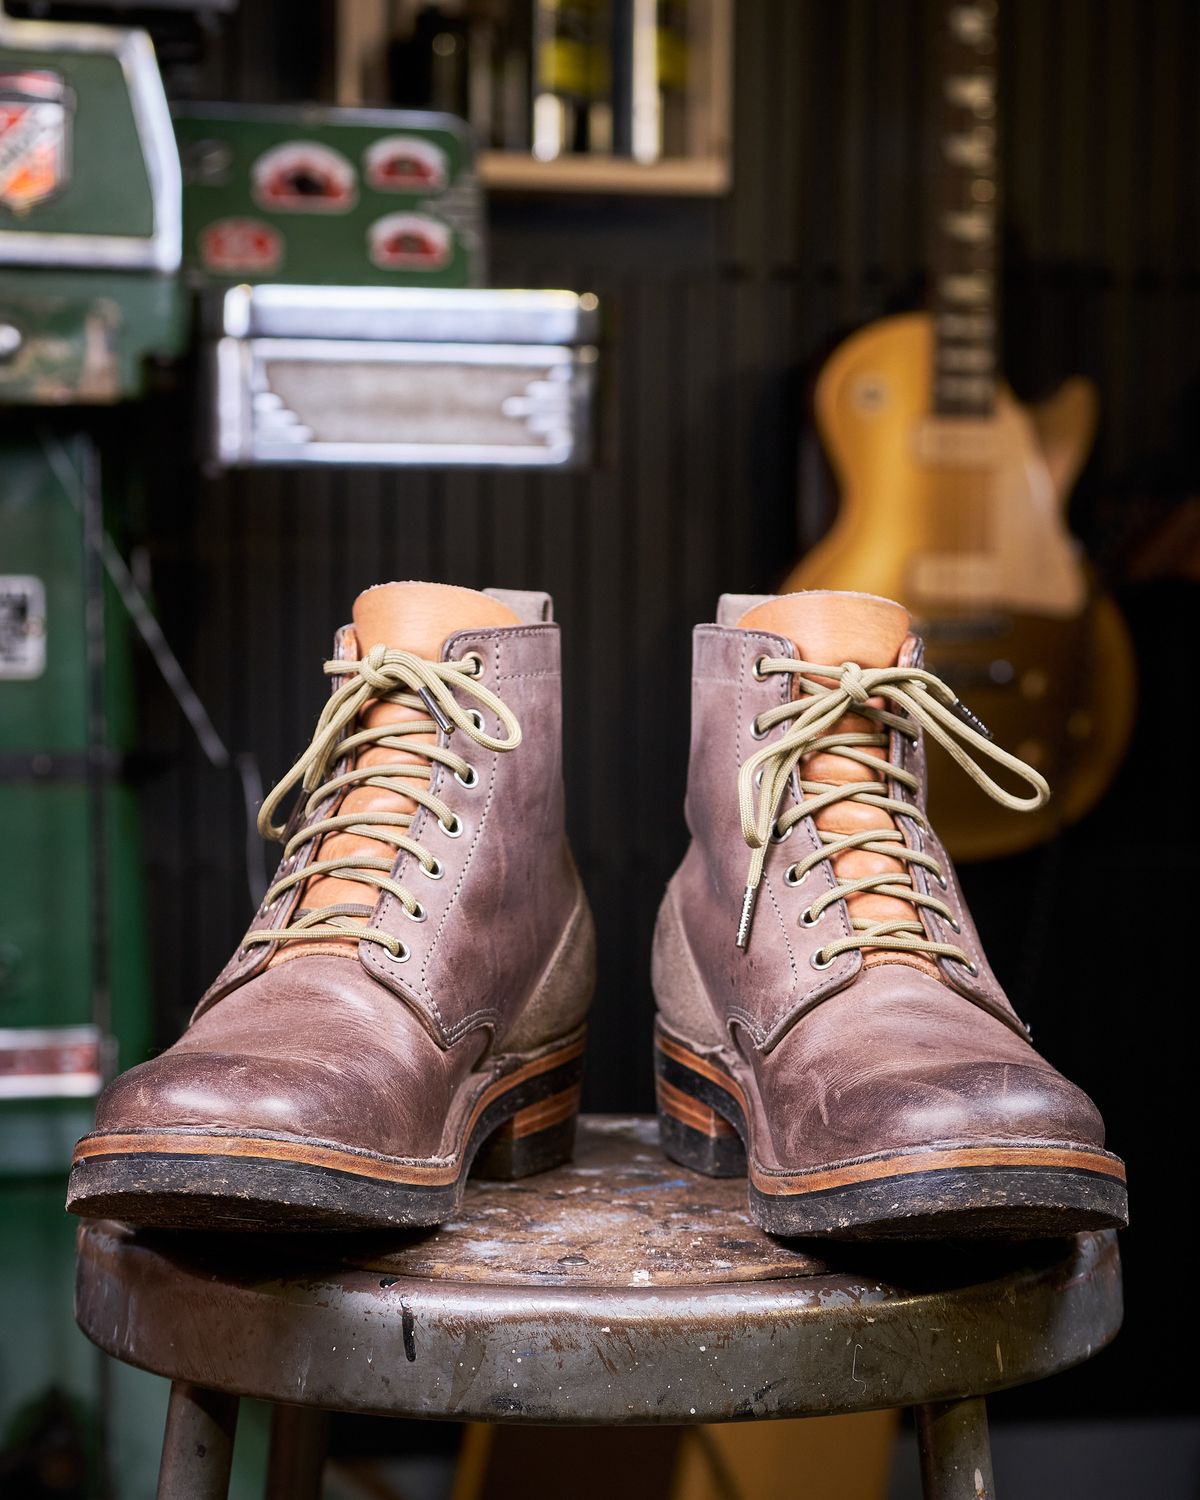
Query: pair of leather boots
(409, 1001)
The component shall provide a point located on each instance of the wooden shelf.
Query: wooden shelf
(515, 172)
(701, 168)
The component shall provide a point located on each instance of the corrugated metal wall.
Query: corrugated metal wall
(718, 314)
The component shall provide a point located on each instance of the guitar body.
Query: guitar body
(962, 519)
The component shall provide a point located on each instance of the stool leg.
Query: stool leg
(298, 1439)
(956, 1457)
(198, 1444)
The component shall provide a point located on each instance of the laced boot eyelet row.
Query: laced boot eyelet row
(816, 720)
(327, 769)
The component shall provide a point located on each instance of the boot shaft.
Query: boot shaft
(780, 975)
(503, 889)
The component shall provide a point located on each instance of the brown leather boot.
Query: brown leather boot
(413, 988)
(827, 1021)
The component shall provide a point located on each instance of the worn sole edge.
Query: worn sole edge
(148, 1176)
(1023, 1179)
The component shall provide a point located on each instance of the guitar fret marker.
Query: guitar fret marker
(967, 388)
(971, 148)
(972, 25)
(973, 225)
(965, 358)
(972, 286)
(974, 91)
(966, 325)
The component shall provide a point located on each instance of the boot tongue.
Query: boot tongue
(416, 617)
(832, 628)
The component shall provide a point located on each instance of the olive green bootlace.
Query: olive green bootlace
(923, 702)
(384, 675)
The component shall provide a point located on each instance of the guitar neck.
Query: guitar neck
(963, 254)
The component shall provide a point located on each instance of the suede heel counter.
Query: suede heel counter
(679, 992)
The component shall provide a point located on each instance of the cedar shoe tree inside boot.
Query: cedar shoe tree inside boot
(409, 998)
(828, 1023)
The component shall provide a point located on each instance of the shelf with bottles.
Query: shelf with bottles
(591, 96)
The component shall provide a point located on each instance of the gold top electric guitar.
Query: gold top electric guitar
(953, 497)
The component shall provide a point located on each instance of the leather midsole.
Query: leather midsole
(357, 1162)
(776, 1183)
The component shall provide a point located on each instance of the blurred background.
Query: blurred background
(722, 191)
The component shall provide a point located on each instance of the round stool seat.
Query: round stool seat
(618, 1289)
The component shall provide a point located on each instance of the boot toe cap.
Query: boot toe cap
(311, 1050)
(367, 1101)
(993, 1100)
(914, 1071)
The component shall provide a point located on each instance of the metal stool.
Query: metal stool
(620, 1289)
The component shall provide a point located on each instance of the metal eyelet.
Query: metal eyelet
(462, 781)
(952, 923)
(453, 829)
(435, 871)
(781, 838)
(755, 732)
(807, 919)
(402, 956)
(758, 776)
(942, 881)
(971, 967)
(418, 915)
(475, 717)
(757, 671)
(477, 668)
(791, 878)
(816, 960)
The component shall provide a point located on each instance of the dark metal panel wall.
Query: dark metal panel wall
(718, 316)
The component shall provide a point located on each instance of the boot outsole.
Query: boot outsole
(522, 1122)
(1009, 1189)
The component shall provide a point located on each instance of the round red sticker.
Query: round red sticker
(304, 177)
(410, 242)
(235, 246)
(405, 164)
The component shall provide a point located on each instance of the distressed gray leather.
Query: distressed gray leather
(510, 886)
(354, 1048)
(854, 1058)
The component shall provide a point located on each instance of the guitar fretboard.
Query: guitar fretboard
(964, 262)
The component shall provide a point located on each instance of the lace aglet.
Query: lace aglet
(435, 710)
(972, 721)
(749, 899)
